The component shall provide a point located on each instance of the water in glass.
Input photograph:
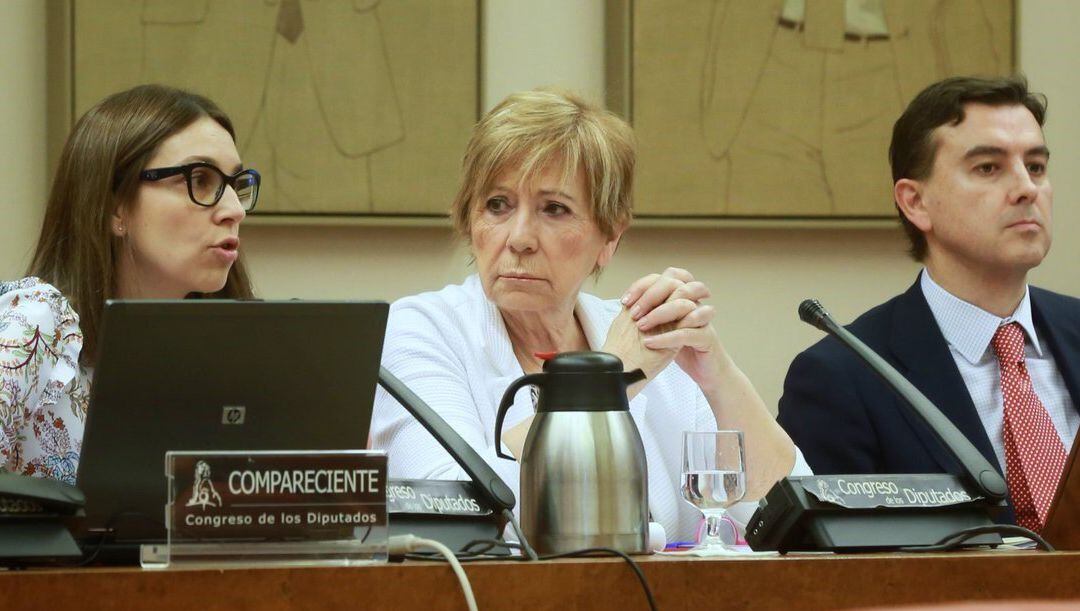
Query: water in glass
(714, 489)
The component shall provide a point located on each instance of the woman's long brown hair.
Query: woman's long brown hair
(98, 172)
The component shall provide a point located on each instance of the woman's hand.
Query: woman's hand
(667, 310)
(627, 342)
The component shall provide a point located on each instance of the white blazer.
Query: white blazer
(452, 349)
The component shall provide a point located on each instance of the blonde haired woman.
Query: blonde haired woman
(544, 199)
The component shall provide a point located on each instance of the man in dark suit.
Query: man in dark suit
(999, 358)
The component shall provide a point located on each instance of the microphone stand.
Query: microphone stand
(494, 489)
(978, 470)
(872, 512)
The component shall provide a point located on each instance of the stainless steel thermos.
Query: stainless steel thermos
(583, 473)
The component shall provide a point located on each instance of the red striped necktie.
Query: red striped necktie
(1034, 455)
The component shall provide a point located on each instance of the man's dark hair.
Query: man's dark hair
(913, 148)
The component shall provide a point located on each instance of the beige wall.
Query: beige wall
(22, 131)
(1049, 53)
(758, 276)
(535, 44)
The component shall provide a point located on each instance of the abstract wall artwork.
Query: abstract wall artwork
(347, 107)
(784, 108)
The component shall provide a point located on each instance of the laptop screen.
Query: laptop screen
(219, 375)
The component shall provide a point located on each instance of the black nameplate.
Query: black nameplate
(266, 495)
(900, 491)
(435, 497)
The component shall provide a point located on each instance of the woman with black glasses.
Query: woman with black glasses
(146, 204)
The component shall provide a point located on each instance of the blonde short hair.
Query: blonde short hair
(531, 129)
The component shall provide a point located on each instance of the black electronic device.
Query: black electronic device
(453, 512)
(33, 512)
(880, 512)
(217, 375)
(491, 485)
(452, 529)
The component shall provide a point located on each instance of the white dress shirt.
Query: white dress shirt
(452, 349)
(968, 330)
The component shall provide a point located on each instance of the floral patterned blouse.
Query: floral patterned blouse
(43, 390)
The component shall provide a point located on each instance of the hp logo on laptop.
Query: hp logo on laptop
(233, 414)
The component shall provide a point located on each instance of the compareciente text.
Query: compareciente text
(304, 481)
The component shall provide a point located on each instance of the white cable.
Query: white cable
(402, 544)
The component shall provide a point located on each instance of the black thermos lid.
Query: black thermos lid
(585, 382)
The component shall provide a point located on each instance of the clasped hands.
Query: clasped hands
(662, 320)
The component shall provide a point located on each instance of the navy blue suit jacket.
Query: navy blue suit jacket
(846, 420)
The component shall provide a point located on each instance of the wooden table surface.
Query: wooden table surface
(792, 582)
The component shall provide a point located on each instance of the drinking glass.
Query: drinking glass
(713, 478)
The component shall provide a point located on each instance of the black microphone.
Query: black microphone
(979, 471)
(871, 512)
(491, 485)
(813, 313)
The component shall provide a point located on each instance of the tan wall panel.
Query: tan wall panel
(22, 131)
(772, 108)
(345, 107)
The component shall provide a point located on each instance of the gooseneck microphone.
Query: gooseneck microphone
(883, 511)
(493, 487)
(978, 470)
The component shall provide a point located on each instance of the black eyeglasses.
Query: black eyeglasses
(206, 183)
